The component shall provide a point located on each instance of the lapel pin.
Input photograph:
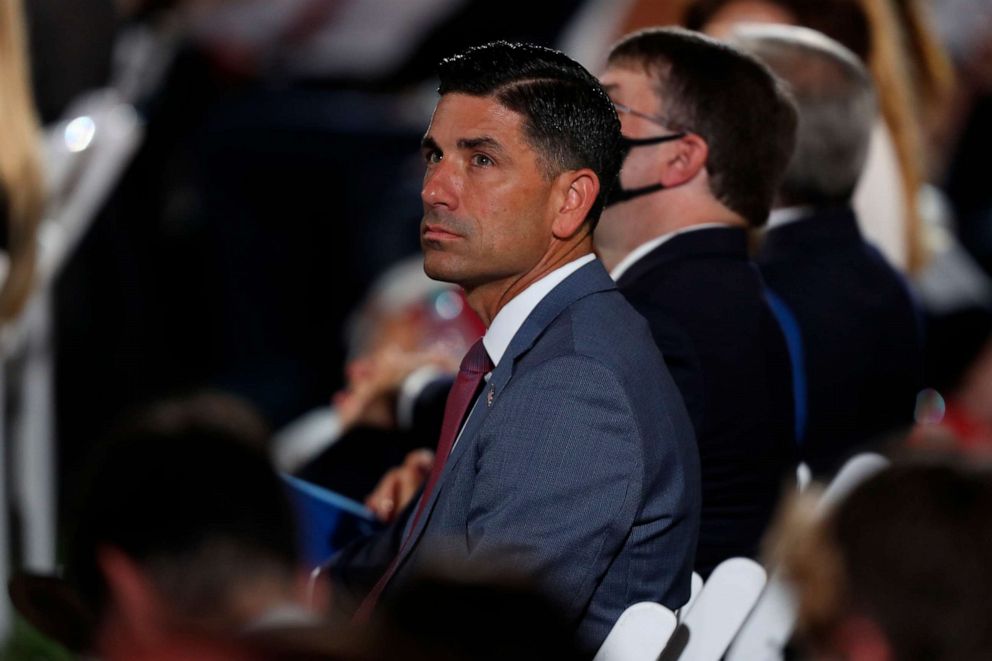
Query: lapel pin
(491, 396)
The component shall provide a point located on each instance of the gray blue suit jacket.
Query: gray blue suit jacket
(577, 467)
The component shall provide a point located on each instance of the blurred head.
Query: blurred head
(183, 526)
(407, 310)
(725, 104)
(521, 149)
(837, 110)
(899, 569)
(446, 615)
(842, 20)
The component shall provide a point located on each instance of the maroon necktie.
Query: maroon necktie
(475, 365)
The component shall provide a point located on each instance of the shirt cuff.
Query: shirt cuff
(410, 390)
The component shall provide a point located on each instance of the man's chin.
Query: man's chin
(437, 268)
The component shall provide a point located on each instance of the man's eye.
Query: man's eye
(481, 160)
(432, 157)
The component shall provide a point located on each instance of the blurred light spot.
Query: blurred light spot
(930, 407)
(448, 305)
(79, 133)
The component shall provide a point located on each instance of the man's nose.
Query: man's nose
(440, 186)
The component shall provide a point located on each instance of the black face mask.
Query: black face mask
(620, 194)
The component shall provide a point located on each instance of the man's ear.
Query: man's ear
(133, 600)
(684, 159)
(577, 193)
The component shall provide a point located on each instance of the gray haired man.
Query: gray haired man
(858, 324)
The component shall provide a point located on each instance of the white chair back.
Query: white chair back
(857, 469)
(723, 604)
(697, 587)
(640, 634)
(769, 627)
(803, 476)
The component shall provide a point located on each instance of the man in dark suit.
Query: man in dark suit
(575, 464)
(859, 326)
(709, 133)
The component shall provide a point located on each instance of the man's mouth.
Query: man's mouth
(437, 232)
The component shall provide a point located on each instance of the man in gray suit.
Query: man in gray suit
(575, 464)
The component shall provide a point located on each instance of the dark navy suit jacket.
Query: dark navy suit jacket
(860, 329)
(577, 466)
(704, 301)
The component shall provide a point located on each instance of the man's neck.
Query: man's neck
(611, 255)
(488, 299)
(512, 316)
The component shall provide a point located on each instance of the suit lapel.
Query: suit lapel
(589, 279)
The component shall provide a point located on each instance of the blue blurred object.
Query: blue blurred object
(326, 521)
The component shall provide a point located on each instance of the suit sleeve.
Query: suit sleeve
(558, 477)
(355, 569)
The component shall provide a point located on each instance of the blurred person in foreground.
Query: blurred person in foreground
(444, 615)
(860, 329)
(183, 541)
(566, 452)
(898, 570)
(709, 132)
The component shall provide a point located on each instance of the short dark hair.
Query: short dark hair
(728, 98)
(568, 118)
(184, 491)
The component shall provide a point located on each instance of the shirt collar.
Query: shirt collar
(786, 215)
(640, 251)
(509, 319)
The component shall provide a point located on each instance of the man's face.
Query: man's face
(487, 204)
(634, 89)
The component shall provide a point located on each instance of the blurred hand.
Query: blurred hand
(373, 384)
(399, 485)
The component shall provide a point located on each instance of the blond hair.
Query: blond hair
(21, 181)
(903, 51)
(800, 545)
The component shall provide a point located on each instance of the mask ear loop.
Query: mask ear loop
(630, 143)
(620, 194)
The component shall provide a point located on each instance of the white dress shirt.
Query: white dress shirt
(786, 215)
(509, 320)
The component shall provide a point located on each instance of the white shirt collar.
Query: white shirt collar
(640, 251)
(786, 215)
(509, 320)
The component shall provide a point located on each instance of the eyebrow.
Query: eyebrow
(482, 141)
(428, 143)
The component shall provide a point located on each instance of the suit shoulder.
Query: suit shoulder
(606, 325)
